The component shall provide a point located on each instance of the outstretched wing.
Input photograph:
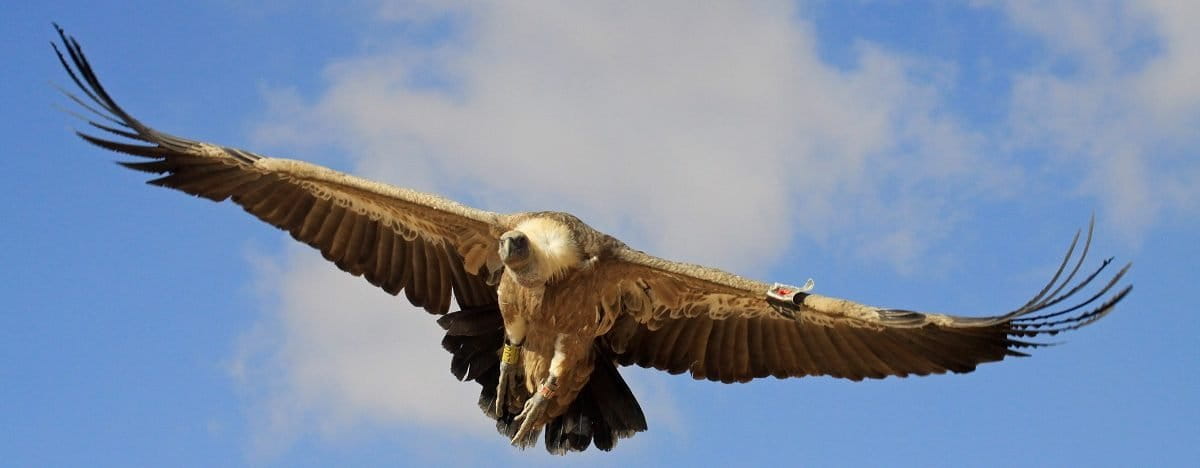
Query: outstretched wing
(718, 326)
(398, 239)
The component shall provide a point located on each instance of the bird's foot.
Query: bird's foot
(510, 377)
(531, 417)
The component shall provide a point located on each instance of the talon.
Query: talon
(535, 407)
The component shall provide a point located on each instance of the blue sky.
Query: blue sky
(935, 158)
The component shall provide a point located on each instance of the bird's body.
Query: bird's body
(549, 306)
(544, 298)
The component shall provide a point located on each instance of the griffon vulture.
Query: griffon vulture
(550, 307)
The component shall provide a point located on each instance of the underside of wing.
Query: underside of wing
(398, 239)
(717, 326)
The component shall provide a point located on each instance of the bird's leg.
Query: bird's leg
(535, 408)
(510, 363)
(530, 418)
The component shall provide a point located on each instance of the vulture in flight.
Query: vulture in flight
(550, 307)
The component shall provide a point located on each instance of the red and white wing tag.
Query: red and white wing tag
(787, 293)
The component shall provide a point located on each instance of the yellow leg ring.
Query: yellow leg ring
(509, 355)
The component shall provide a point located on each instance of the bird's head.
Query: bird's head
(514, 249)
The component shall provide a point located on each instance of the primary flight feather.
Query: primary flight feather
(550, 307)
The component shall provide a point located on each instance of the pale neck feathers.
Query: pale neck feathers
(552, 246)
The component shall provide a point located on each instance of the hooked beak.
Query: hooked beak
(514, 246)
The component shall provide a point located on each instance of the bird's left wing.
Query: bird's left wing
(687, 318)
(398, 239)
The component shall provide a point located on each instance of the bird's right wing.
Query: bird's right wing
(398, 239)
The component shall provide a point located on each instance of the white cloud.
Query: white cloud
(649, 120)
(1092, 36)
(341, 352)
(1169, 82)
(1126, 115)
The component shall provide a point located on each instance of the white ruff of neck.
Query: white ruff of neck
(552, 247)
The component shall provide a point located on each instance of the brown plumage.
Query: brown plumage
(573, 302)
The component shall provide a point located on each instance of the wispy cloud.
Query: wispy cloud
(1124, 111)
(340, 352)
(651, 120)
